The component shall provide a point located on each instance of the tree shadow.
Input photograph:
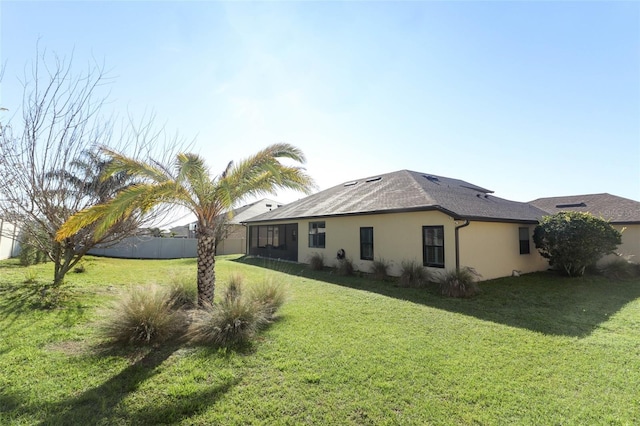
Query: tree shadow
(542, 302)
(99, 405)
(18, 299)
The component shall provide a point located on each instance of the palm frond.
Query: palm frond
(136, 198)
(193, 171)
(121, 163)
(262, 174)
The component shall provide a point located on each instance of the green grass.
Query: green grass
(537, 349)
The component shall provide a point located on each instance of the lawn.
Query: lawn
(536, 349)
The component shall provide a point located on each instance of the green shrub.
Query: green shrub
(80, 268)
(572, 241)
(30, 276)
(183, 292)
(620, 269)
(462, 283)
(380, 269)
(232, 321)
(345, 267)
(143, 315)
(413, 274)
(30, 255)
(270, 295)
(316, 262)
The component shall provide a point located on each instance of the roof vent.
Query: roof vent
(431, 178)
(563, 206)
(374, 179)
(351, 183)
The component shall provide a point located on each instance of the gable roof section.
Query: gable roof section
(406, 190)
(610, 207)
(244, 213)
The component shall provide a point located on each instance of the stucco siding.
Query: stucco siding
(396, 237)
(493, 249)
(630, 247)
(235, 242)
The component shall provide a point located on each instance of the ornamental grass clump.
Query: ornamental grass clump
(143, 315)
(233, 321)
(620, 269)
(345, 267)
(316, 262)
(461, 283)
(413, 274)
(183, 292)
(270, 295)
(380, 269)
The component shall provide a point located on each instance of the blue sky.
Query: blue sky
(529, 99)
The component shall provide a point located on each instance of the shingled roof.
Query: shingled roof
(403, 191)
(610, 207)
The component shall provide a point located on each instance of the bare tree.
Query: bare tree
(50, 167)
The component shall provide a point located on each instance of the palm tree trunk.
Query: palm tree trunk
(206, 267)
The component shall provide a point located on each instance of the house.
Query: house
(441, 222)
(236, 232)
(622, 213)
(235, 240)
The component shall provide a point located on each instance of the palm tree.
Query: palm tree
(189, 184)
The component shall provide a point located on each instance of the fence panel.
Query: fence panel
(150, 248)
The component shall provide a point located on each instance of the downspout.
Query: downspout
(457, 233)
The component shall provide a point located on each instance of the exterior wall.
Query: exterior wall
(397, 237)
(493, 249)
(236, 241)
(9, 246)
(630, 247)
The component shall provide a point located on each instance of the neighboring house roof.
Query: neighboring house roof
(407, 190)
(610, 207)
(242, 214)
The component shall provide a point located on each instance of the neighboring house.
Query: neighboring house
(236, 233)
(622, 213)
(442, 223)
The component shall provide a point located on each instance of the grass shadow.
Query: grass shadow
(19, 299)
(181, 408)
(102, 404)
(542, 302)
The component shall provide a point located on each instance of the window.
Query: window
(433, 246)
(366, 243)
(316, 234)
(268, 236)
(524, 240)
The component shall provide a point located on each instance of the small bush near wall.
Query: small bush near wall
(462, 283)
(345, 267)
(413, 274)
(380, 269)
(316, 262)
(573, 241)
(620, 269)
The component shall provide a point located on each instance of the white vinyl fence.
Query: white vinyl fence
(149, 248)
(9, 246)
